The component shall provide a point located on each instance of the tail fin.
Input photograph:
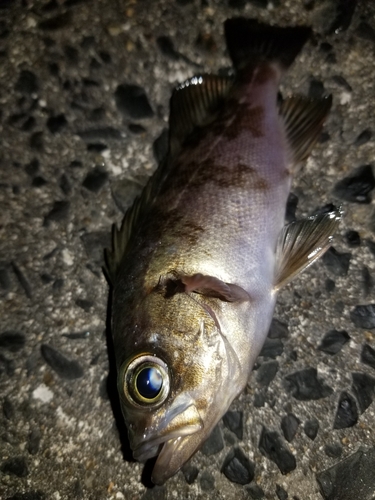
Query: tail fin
(250, 42)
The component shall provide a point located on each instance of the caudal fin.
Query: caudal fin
(250, 42)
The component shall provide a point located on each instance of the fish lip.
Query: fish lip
(183, 420)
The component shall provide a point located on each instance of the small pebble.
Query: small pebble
(16, 466)
(305, 385)
(56, 123)
(340, 80)
(27, 82)
(347, 413)
(365, 31)
(233, 420)
(214, 443)
(367, 281)
(333, 342)
(272, 348)
(63, 366)
(85, 304)
(58, 212)
(96, 147)
(356, 187)
(272, 447)
(237, 467)
(267, 372)
(12, 340)
(7, 366)
(22, 280)
(330, 285)
(255, 492)
(124, 191)
(311, 428)
(352, 238)
(8, 409)
(337, 263)
(367, 355)
(364, 389)
(363, 137)
(344, 10)
(363, 316)
(71, 54)
(5, 282)
(36, 141)
(55, 23)
(38, 181)
(132, 101)
(166, 47)
(278, 329)
(281, 493)
(190, 473)
(77, 336)
(100, 134)
(95, 179)
(333, 450)
(316, 89)
(207, 481)
(64, 184)
(289, 426)
(134, 128)
(371, 246)
(34, 441)
(259, 399)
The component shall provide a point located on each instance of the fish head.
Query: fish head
(177, 382)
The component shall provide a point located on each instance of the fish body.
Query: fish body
(200, 256)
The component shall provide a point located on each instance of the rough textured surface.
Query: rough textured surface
(83, 115)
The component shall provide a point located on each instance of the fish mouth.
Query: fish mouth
(181, 422)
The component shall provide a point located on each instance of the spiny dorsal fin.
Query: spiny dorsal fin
(193, 104)
(120, 237)
(303, 121)
(302, 242)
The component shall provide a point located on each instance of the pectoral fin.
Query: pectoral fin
(302, 242)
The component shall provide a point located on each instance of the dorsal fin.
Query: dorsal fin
(303, 121)
(194, 104)
(120, 237)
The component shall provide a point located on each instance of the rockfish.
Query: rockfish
(199, 259)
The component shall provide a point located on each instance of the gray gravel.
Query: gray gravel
(84, 96)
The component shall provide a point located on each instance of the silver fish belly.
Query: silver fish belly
(201, 255)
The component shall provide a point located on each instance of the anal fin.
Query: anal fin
(302, 242)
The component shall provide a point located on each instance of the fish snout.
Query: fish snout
(148, 443)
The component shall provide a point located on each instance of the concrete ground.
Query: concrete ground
(84, 98)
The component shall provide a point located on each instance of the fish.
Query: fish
(199, 259)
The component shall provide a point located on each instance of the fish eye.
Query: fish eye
(144, 380)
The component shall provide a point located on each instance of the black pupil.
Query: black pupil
(149, 382)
